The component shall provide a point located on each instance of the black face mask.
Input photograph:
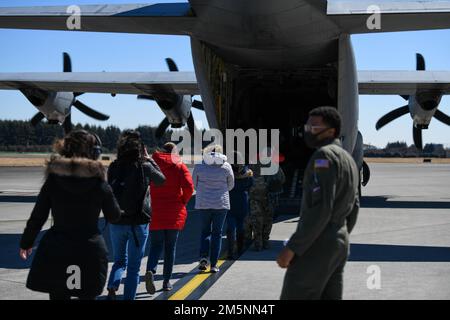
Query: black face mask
(312, 140)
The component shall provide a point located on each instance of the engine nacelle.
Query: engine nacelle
(57, 106)
(422, 108)
(178, 114)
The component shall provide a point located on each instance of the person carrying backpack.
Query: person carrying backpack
(130, 177)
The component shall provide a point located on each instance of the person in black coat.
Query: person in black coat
(71, 259)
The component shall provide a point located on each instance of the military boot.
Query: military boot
(257, 245)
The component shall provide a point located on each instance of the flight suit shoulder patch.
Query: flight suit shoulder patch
(321, 164)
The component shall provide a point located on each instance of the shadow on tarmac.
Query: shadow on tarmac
(383, 202)
(18, 199)
(9, 258)
(188, 242)
(396, 253)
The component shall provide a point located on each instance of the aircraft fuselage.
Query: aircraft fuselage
(267, 65)
(268, 34)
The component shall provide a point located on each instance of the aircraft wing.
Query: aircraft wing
(103, 82)
(370, 82)
(352, 15)
(403, 82)
(163, 18)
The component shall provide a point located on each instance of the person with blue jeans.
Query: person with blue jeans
(127, 257)
(130, 176)
(213, 221)
(213, 179)
(168, 213)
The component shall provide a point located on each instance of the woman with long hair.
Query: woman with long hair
(71, 259)
(130, 177)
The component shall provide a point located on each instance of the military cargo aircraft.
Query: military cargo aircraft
(258, 63)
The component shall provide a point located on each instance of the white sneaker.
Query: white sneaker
(214, 269)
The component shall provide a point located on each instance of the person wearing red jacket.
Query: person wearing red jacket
(168, 213)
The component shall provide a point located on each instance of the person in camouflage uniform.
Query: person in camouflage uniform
(261, 213)
(262, 207)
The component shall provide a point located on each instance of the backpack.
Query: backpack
(128, 185)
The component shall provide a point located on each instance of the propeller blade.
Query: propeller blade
(405, 97)
(191, 125)
(417, 136)
(366, 174)
(171, 65)
(159, 133)
(67, 125)
(37, 97)
(144, 97)
(384, 120)
(38, 117)
(198, 105)
(420, 62)
(90, 112)
(442, 117)
(67, 63)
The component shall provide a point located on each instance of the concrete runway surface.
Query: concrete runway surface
(400, 248)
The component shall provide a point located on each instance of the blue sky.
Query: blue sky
(41, 51)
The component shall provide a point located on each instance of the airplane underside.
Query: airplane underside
(259, 98)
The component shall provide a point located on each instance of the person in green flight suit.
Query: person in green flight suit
(316, 253)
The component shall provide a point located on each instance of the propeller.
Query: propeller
(168, 101)
(384, 120)
(417, 137)
(162, 127)
(442, 117)
(38, 97)
(38, 117)
(427, 105)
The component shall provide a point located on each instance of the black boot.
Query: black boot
(230, 241)
(240, 242)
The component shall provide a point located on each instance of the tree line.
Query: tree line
(400, 149)
(21, 136)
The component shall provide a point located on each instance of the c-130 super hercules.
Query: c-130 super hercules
(258, 63)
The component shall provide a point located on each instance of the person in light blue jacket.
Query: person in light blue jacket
(213, 179)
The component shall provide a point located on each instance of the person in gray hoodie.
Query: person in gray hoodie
(213, 179)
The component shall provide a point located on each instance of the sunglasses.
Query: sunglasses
(311, 128)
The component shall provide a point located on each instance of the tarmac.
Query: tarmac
(400, 247)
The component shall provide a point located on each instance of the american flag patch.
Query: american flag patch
(322, 164)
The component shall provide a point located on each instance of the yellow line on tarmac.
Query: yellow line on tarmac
(193, 284)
